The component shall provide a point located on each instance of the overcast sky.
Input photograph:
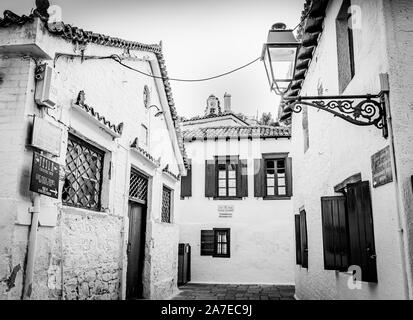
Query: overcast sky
(201, 38)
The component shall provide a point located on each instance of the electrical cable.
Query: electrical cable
(118, 59)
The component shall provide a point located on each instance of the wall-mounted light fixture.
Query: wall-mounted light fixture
(279, 55)
(158, 113)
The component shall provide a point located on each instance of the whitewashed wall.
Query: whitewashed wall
(339, 149)
(262, 235)
(89, 248)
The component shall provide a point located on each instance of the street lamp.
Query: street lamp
(279, 55)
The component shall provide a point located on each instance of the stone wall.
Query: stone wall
(91, 249)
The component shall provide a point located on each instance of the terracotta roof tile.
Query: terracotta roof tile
(210, 116)
(237, 132)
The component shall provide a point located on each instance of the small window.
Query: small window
(84, 172)
(145, 135)
(215, 243)
(345, 46)
(166, 204)
(227, 176)
(222, 243)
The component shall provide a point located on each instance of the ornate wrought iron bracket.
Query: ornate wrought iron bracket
(361, 110)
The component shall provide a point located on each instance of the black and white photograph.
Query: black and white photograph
(214, 156)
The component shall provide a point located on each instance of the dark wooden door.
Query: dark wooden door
(361, 237)
(136, 250)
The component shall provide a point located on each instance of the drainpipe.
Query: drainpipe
(31, 251)
(384, 80)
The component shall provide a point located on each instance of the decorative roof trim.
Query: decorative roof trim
(79, 36)
(309, 33)
(171, 174)
(112, 129)
(144, 154)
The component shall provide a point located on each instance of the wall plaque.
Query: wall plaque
(381, 167)
(46, 136)
(225, 211)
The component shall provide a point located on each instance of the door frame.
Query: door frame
(144, 206)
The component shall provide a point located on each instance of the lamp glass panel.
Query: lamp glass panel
(283, 62)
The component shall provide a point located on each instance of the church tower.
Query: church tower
(213, 106)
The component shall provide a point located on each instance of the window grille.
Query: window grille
(138, 187)
(84, 171)
(166, 205)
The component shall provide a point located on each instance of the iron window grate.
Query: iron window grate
(166, 205)
(84, 171)
(138, 187)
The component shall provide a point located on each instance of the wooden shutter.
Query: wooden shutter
(207, 242)
(289, 176)
(186, 182)
(335, 239)
(210, 178)
(242, 178)
(304, 240)
(259, 178)
(297, 239)
(361, 232)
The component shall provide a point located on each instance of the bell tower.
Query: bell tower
(213, 106)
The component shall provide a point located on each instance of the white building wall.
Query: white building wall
(338, 150)
(83, 253)
(262, 231)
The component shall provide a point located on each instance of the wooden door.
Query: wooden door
(136, 251)
(361, 235)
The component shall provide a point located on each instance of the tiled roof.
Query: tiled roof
(211, 116)
(237, 132)
(80, 36)
(309, 34)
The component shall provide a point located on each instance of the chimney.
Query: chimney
(227, 103)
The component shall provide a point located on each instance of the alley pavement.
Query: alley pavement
(194, 291)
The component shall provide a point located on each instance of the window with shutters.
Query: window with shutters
(226, 177)
(345, 46)
(348, 234)
(84, 174)
(186, 182)
(273, 176)
(216, 242)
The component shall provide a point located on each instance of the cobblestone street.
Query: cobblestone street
(195, 291)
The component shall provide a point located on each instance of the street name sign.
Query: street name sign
(381, 167)
(45, 176)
